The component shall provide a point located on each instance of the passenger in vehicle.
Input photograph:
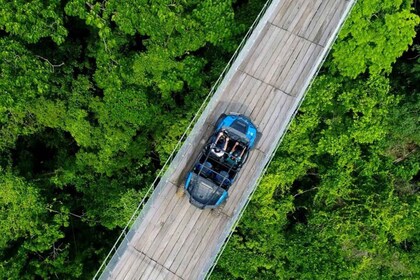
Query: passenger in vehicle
(220, 145)
(237, 152)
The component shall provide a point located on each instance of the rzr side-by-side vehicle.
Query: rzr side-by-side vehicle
(220, 161)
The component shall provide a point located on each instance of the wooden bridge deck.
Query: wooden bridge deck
(171, 238)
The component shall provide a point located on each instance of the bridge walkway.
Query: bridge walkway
(172, 239)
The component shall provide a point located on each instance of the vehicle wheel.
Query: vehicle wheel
(180, 191)
(219, 120)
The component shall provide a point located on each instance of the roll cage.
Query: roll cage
(229, 159)
(221, 174)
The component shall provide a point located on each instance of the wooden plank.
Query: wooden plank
(276, 122)
(178, 239)
(333, 23)
(284, 58)
(273, 48)
(297, 73)
(317, 19)
(192, 239)
(322, 25)
(173, 276)
(185, 239)
(240, 80)
(263, 103)
(278, 50)
(275, 101)
(222, 106)
(251, 95)
(259, 56)
(302, 23)
(237, 100)
(162, 223)
(253, 106)
(294, 13)
(256, 57)
(192, 256)
(326, 22)
(255, 50)
(137, 268)
(121, 267)
(254, 87)
(183, 217)
(167, 275)
(293, 74)
(298, 86)
(278, 83)
(157, 201)
(154, 274)
(266, 145)
(144, 229)
(305, 11)
(232, 88)
(282, 10)
(247, 104)
(161, 239)
(153, 226)
(281, 59)
(150, 265)
(201, 255)
(269, 119)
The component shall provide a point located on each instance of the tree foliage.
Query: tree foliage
(374, 36)
(95, 94)
(33, 20)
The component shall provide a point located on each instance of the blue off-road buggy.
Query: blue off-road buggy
(218, 164)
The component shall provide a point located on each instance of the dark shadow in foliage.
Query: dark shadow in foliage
(42, 153)
(79, 36)
(304, 191)
(407, 245)
(137, 44)
(3, 33)
(78, 32)
(98, 246)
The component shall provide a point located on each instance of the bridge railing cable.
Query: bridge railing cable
(123, 239)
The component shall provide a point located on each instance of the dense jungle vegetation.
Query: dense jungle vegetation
(94, 95)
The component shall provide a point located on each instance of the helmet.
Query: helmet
(217, 151)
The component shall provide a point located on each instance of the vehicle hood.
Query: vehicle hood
(242, 126)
